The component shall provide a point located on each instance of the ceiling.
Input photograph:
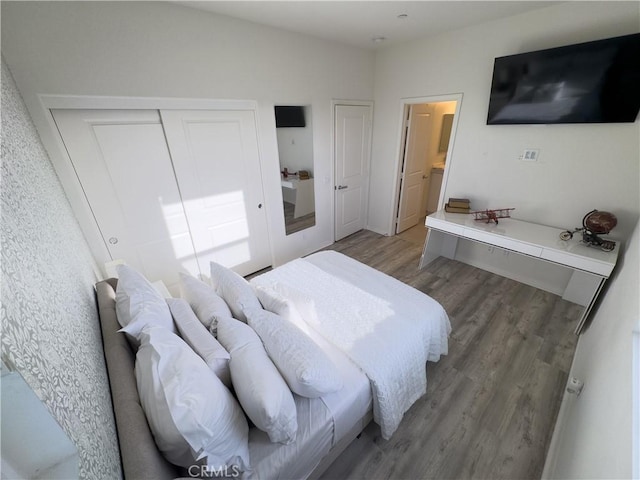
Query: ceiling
(357, 23)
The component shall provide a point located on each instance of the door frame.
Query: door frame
(404, 103)
(334, 103)
(52, 140)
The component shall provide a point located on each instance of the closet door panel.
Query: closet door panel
(217, 166)
(123, 163)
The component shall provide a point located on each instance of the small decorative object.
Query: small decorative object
(457, 205)
(594, 223)
(492, 215)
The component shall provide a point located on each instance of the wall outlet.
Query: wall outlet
(530, 155)
(575, 386)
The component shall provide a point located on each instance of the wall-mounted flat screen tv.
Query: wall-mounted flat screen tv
(289, 116)
(593, 82)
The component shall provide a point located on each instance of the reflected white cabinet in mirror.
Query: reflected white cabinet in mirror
(295, 151)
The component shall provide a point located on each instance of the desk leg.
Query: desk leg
(438, 244)
(588, 308)
(582, 288)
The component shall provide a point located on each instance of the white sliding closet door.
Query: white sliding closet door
(215, 157)
(172, 190)
(123, 163)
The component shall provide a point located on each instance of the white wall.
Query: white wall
(153, 49)
(581, 167)
(593, 436)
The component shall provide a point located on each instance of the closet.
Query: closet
(171, 190)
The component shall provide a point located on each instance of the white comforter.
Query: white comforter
(386, 327)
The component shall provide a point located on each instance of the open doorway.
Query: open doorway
(426, 141)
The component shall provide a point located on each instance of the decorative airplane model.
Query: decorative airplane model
(492, 215)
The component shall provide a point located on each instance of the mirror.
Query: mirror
(28, 427)
(295, 151)
(445, 133)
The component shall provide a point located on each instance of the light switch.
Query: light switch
(530, 155)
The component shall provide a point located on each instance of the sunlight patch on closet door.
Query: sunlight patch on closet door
(225, 242)
(217, 167)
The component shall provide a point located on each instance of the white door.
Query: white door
(414, 172)
(123, 163)
(215, 156)
(352, 158)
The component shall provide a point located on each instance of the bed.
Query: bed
(387, 316)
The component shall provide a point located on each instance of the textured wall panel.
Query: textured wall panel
(50, 329)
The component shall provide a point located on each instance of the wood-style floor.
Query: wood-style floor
(491, 403)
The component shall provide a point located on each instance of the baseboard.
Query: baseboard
(377, 230)
(551, 460)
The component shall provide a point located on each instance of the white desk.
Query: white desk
(591, 266)
(300, 193)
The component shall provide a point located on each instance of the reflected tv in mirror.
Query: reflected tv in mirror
(593, 82)
(289, 116)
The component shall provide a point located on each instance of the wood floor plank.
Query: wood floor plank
(483, 449)
(371, 460)
(485, 356)
(491, 403)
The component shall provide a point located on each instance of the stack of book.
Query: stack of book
(458, 205)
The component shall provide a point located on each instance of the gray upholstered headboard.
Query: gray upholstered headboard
(140, 456)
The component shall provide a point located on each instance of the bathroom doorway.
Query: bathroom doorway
(427, 139)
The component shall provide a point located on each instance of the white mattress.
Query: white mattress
(322, 422)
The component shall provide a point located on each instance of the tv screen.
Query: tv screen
(593, 82)
(287, 116)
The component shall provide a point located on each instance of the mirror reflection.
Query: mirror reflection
(295, 150)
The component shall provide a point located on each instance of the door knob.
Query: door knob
(259, 205)
(113, 240)
(342, 187)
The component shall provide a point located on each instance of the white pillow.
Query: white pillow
(262, 392)
(289, 303)
(308, 371)
(138, 303)
(235, 290)
(191, 413)
(274, 301)
(277, 303)
(204, 301)
(200, 340)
